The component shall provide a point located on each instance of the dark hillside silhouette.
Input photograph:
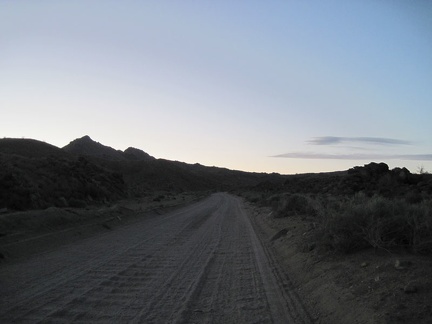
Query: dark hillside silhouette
(86, 146)
(30, 148)
(38, 175)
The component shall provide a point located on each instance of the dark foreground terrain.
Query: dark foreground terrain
(215, 260)
(203, 263)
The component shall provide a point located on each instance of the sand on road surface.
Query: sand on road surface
(202, 263)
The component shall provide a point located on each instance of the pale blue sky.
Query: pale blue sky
(273, 86)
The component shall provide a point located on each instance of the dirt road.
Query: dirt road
(202, 263)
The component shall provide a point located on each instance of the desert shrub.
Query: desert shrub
(78, 203)
(294, 204)
(254, 200)
(419, 219)
(91, 190)
(159, 198)
(363, 222)
(413, 197)
(20, 199)
(253, 197)
(339, 228)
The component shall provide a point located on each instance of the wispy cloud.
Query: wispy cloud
(334, 140)
(308, 155)
(356, 148)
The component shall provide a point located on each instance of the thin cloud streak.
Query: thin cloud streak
(333, 140)
(319, 156)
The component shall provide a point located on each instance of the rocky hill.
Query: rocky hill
(144, 174)
(371, 179)
(30, 148)
(132, 153)
(36, 175)
(86, 146)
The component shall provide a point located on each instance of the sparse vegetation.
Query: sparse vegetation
(294, 204)
(42, 182)
(351, 224)
(421, 170)
(363, 222)
(368, 207)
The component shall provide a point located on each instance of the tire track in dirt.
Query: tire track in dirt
(200, 264)
(284, 301)
(50, 277)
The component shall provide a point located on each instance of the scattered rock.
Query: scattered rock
(401, 307)
(311, 246)
(279, 234)
(62, 202)
(364, 264)
(402, 265)
(410, 288)
(107, 226)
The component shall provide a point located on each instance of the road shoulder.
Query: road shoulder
(359, 288)
(28, 233)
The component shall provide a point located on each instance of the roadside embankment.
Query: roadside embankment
(364, 287)
(26, 233)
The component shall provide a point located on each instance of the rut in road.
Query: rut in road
(200, 264)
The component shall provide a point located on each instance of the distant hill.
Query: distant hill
(132, 153)
(29, 148)
(86, 146)
(35, 174)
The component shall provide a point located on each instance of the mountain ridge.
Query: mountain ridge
(37, 175)
(86, 146)
(30, 148)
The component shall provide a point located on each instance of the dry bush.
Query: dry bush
(350, 224)
(294, 204)
(363, 222)
(420, 226)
